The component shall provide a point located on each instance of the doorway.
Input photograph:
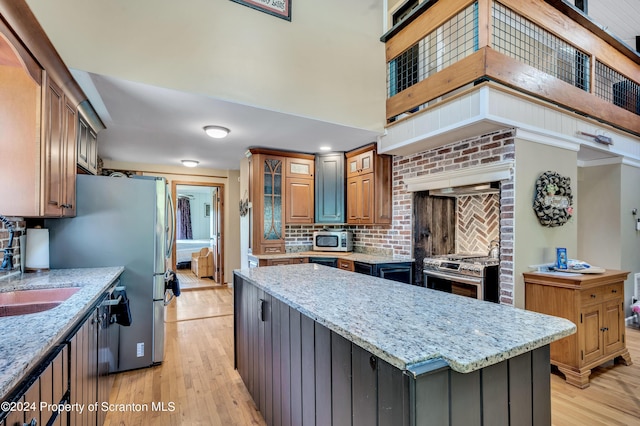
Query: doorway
(199, 228)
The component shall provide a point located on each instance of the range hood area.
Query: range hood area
(458, 191)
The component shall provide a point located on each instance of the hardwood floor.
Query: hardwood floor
(197, 377)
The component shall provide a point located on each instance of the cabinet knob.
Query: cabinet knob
(372, 362)
(614, 291)
(33, 422)
(593, 296)
(66, 206)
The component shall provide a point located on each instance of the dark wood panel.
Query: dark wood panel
(276, 388)
(285, 364)
(393, 395)
(495, 395)
(308, 371)
(432, 390)
(262, 374)
(268, 358)
(466, 399)
(323, 375)
(364, 386)
(541, 372)
(434, 229)
(341, 380)
(520, 394)
(296, 366)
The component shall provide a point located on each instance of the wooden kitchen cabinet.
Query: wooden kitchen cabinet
(281, 192)
(346, 265)
(299, 175)
(368, 186)
(39, 101)
(595, 303)
(268, 203)
(329, 188)
(59, 152)
(283, 261)
(87, 146)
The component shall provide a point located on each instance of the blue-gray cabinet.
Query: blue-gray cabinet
(329, 188)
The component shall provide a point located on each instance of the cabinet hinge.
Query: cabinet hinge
(582, 355)
(580, 318)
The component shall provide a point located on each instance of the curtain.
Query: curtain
(184, 220)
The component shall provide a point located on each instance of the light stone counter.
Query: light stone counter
(405, 325)
(27, 338)
(356, 257)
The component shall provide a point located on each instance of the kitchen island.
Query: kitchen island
(316, 343)
(29, 341)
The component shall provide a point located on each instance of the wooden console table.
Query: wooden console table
(595, 303)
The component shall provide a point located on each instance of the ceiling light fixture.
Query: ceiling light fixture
(217, 132)
(325, 148)
(190, 163)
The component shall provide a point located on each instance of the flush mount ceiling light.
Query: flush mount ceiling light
(325, 148)
(190, 163)
(217, 132)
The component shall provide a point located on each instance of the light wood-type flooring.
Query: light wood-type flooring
(197, 377)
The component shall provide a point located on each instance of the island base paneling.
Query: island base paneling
(299, 372)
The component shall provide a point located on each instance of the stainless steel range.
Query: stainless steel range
(471, 275)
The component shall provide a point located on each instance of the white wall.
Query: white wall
(630, 238)
(534, 243)
(327, 63)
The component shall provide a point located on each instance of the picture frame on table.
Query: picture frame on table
(279, 8)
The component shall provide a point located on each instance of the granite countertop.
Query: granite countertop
(27, 338)
(356, 257)
(406, 325)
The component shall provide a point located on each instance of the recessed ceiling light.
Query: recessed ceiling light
(325, 148)
(217, 132)
(190, 163)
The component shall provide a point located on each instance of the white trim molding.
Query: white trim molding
(461, 177)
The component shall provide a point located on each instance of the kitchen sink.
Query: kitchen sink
(23, 302)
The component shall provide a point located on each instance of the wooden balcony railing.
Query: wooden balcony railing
(529, 45)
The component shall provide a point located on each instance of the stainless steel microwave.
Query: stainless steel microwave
(333, 241)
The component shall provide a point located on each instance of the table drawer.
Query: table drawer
(613, 291)
(593, 295)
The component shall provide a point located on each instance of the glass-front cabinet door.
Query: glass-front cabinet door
(272, 195)
(268, 200)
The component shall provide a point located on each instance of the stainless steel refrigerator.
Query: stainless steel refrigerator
(128, 222)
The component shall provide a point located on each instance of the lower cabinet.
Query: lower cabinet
(75, 372)
(400, 271)
(299, 372)
(41, 392)
(283, 261)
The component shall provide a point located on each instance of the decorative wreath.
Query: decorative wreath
(553, 200)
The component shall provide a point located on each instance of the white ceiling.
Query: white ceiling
(153, 125)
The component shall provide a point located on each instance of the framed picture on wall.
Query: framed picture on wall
(279, 8)
(207, 210)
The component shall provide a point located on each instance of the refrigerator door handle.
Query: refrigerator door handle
(171, 225)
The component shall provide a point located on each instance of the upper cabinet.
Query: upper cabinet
(39, 102)
(368, 187)
(87, 139)
(329, 197)
(281, 191)
(299, 181)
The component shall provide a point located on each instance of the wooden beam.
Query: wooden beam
(530, 80)
(463, 72)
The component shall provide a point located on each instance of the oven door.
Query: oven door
(456, 284)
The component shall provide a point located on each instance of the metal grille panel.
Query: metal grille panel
(614, 87)
(521, 39)
(452, 41)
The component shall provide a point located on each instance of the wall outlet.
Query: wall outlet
(140, 349)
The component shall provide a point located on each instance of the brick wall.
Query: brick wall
(19, 229)
(396, 239)
(478, 222)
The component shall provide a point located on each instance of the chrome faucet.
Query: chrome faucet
(7, 260)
